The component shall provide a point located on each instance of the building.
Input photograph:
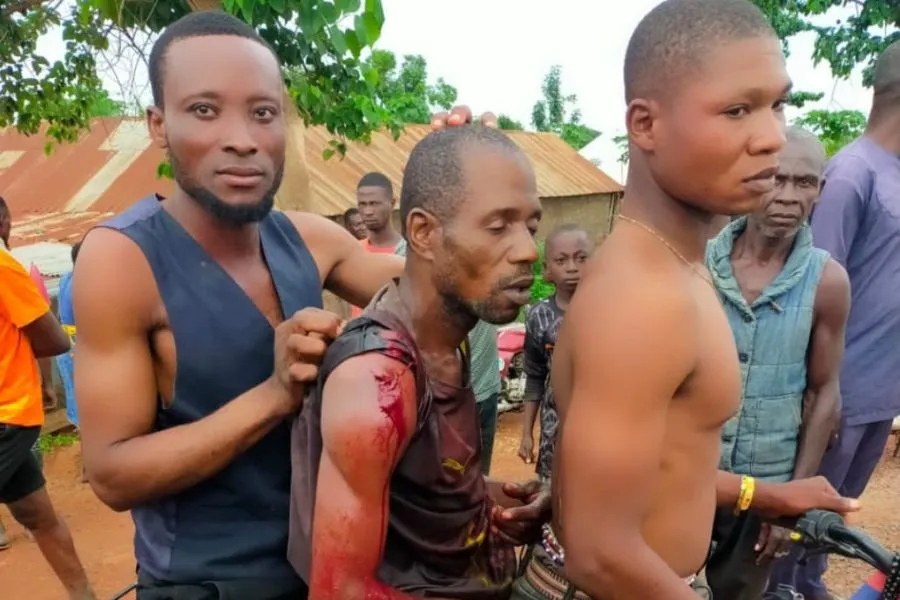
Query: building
(57, 197)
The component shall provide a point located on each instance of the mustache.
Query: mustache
(517, 276)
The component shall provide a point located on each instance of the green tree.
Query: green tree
(835, 128)
(321, 40)
(403, 90)
(621, 142)
(557, 113)
(104, 106)
(844, 43)
(507, 123)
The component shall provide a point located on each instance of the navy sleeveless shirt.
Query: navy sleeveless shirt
(233, 526)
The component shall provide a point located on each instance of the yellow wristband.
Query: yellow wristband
(745, 497)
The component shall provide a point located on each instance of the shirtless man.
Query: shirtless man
(199, 324)
(646, 370)
(389, 500)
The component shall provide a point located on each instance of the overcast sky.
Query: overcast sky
(496, 53)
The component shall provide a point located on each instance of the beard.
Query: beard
(230, 215)
(494, 308)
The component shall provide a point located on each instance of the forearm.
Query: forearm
(141, 469)
(626, 571)
(815, 432)
(45, 366)
(347, 588)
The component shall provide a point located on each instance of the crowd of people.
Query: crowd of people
(723, 355)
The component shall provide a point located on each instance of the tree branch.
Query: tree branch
(20, 7)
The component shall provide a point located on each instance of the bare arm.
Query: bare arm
(346, 268)
(535, 366)
(47, 337)
(368, 417)
(822, 402)
(614, 430)
(127, 462)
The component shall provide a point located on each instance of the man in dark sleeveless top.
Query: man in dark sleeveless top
(199, 324)
(389, 500)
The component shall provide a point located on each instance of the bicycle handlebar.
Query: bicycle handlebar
(824, 530)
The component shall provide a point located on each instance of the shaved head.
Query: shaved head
(677, 36)
(801, 140)
(886, 81)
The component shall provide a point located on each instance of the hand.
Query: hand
(300, 344)
(773, 542)
(526, 449)
(460, 115)
(50, 399)
(794, 498)
(522, 525)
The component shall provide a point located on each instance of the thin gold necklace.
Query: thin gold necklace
(671, 248)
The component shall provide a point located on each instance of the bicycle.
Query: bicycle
(823, 532)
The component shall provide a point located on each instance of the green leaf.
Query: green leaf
(374, 8)
(278, 6)
(372, 26)
(247, 8)
(353, 42)
(327, 153)
(338, 40)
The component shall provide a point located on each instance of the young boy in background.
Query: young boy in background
(566, 250)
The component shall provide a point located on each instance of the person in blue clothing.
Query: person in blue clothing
(65, 363)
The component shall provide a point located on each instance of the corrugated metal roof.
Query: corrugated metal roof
(114, 164)
(56, 227)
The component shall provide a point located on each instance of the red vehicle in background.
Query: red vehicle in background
(511, 346)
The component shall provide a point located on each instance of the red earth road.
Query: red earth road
(104, 538)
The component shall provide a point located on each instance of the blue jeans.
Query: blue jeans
(487, 417)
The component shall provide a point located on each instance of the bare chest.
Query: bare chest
(714, 390)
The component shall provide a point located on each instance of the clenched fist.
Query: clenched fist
(300, 344)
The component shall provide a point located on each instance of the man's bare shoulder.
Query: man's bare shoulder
(369, 406)
(319, 233)
(113, 276)
(636, 278)
(833, 293)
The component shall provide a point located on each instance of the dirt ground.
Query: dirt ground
(104, 538)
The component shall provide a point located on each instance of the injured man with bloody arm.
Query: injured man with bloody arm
(389, 500)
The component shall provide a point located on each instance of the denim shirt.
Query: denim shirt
(772, 336)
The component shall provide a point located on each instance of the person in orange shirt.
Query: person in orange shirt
(28, 331)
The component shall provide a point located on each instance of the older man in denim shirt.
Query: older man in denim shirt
(787, 304)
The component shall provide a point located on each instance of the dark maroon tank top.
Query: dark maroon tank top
(438, 539)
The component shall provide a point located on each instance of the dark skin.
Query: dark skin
(375, 205)
(645, 377)
(35, 511)
(363, 441)
(564, 259)
(126, 349)
(759, 255)
(354, 224)
(223, 109)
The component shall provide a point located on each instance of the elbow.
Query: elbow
(61, 346)
(595, 564)
(110, 489)
(110, 496)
